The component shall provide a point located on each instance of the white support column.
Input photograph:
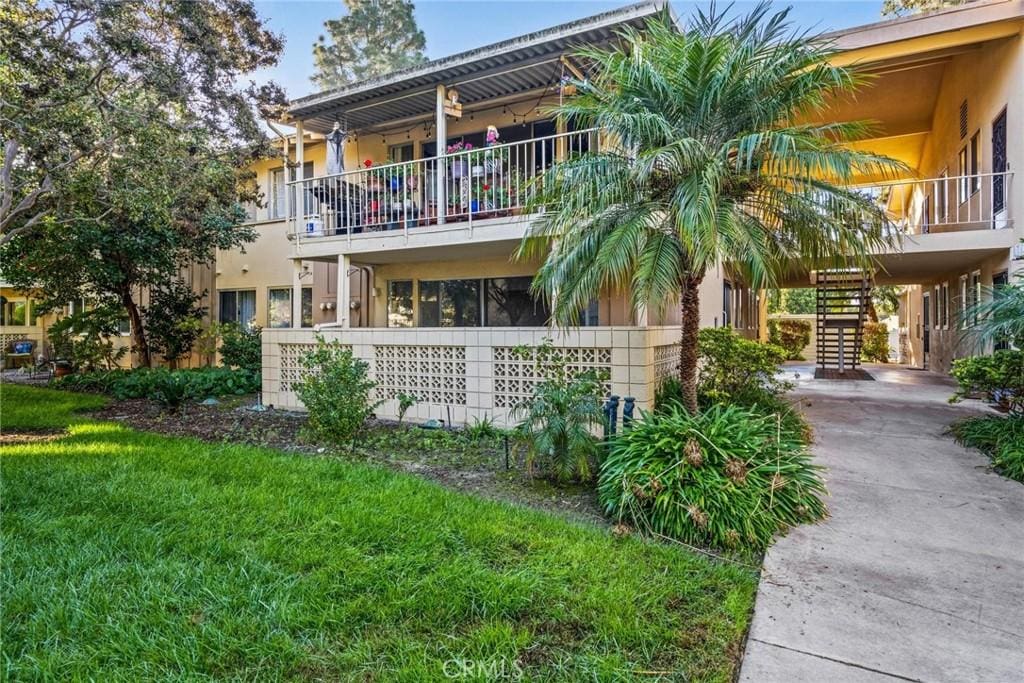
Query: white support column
(640, 316)
(296, 293)
(441, 129)
(300, 158)
(343, 304)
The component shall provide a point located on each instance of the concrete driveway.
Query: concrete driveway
(918, 575)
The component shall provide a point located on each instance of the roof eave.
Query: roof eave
(647, 8)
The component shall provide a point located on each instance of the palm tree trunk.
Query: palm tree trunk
(690, 305)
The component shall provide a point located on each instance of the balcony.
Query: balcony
(490, 184)
(945, 204)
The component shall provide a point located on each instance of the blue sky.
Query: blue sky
(452, 27)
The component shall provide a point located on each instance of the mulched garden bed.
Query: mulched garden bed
(451, 457)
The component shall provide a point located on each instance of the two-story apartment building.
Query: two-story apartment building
(398, 235)
(390, 218)
(402, 246)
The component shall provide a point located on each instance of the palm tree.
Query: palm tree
(998, 316)
(714, 160)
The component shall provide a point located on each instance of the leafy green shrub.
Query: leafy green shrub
(669, 391)
(792, 336)
(199, 383)
(86, 339)
(875, 345)
(726, 477)
(558, 421)
(98, 382)
(173, 320)
(1000, 438)
(242, 347)
(336, 391)
(405, 401)
(737, 370)
(998, 378)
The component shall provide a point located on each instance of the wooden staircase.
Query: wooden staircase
(842, 308)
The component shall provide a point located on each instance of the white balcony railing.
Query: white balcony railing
(946, 203)
(492, 182)
(474, 184)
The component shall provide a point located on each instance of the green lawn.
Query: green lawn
(129, 555)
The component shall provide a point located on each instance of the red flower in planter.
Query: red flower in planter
(367, 163)
(486, 187)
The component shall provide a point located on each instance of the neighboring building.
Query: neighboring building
(948, 97)
(22, 318)
(405, 255)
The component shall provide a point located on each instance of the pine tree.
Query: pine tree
(376, 37)
(903, 8)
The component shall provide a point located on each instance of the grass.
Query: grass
(1000, 438)
(128, 555)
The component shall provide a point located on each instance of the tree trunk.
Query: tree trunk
(690, 304)
(138, 332)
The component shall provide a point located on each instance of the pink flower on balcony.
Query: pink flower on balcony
(459, 146)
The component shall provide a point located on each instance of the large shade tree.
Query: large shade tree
(713, 157)
(126, 127)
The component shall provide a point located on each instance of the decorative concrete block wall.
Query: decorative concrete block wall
(473, 373)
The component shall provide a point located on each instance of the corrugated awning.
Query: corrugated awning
(519, 65)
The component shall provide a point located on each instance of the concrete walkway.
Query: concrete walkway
(918, 575)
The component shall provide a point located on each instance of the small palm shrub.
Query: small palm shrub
(559, 420)
(483, 429)
(792, 336)
(170, 390)
(336, 390)
(875, 346)
(725, 477)
(1000, 438)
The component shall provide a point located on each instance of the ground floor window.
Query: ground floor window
(400, 303)
(449, 303)
(510, 303)
(964, 295)
(238, 306)
(279, 307)
(1000, 280)
(726, 303)
(944, 308)
(469, 302)
(13, 311)
(590, 315)
(975, 295)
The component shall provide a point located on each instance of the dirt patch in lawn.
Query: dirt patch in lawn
(454, 458)
(16, 438)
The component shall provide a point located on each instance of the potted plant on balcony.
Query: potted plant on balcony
(374, 177)
(459, 166)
